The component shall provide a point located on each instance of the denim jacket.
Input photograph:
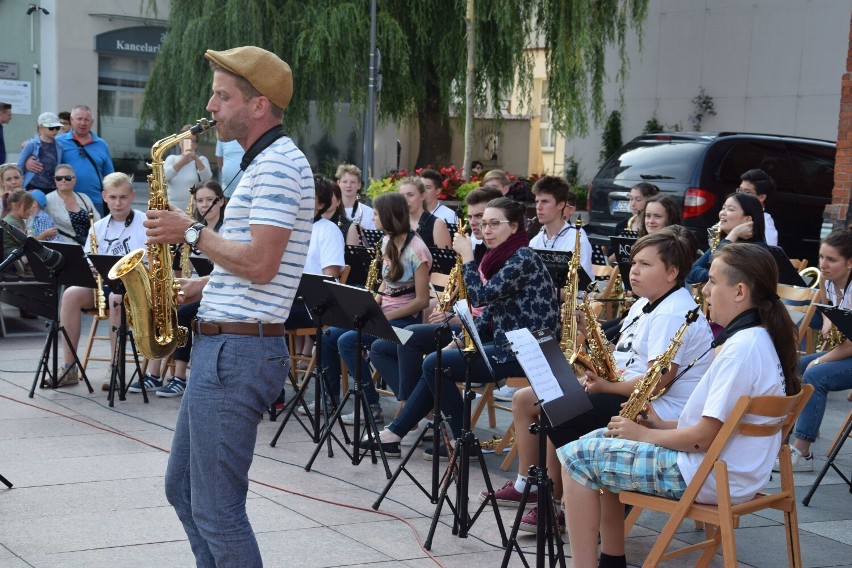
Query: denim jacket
(31, 149)
(521, 294)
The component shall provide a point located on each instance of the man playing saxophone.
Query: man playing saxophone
(239, 357)
(116, 234)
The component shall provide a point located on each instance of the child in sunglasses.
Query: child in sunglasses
(45, 154)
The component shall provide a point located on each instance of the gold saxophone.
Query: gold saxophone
(568, 338)
(714, 235)
(643, 391)
(373, 272)
(150, 299)
(100, 300)
(600, 356)
(185, 249)
(830, 341)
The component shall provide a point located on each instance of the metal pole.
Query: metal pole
(370, 122)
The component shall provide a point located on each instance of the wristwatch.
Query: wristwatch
(191, 235)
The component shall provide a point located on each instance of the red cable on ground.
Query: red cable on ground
(269, 485)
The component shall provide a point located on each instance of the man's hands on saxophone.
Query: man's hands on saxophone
(166, 227)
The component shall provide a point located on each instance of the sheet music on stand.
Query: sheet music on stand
(841, 317)
(462, 310)
(552, 379)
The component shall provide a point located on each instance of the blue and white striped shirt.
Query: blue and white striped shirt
(276, 189)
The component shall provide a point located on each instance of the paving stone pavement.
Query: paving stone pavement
(88, 490)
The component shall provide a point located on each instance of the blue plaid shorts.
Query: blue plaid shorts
(597, 462)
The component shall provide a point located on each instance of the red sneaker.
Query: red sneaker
(529, 522)
(507, 496)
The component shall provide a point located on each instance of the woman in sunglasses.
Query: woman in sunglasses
(41, 154)
(70, 209)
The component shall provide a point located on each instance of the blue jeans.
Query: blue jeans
(825, 377)
(340, 343)
(402, 365)
(234, 380)
(422, 400)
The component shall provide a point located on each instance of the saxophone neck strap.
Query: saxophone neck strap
(651, 306)
(265, 141)
(747, 319)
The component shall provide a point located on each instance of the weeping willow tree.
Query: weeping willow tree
(422, 44)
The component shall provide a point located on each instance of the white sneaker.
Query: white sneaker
(301, 409)
(505, 393)
(800, 462)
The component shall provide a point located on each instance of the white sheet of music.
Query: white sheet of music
(535, 365)
(463, 312)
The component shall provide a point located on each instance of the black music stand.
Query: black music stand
(359, 260)
(103, 263)
(459, 466)
(443, 260)
(317, 298)
(556, 262)
(364, 315)
(543, 351)
(437, 426)
(74, 271)
(842, 318)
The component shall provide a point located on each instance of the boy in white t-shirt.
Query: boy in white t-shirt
(555, 203)
(118, 233)
(433, 183)
(349, 179)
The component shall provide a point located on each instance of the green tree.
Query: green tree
(422, 44)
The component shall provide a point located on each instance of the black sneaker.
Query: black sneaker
(443, 454)
(150, 381)
(391, 449)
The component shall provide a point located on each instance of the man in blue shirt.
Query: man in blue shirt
(87, 153)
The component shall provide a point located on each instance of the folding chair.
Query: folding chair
(725, 516)
(799, 302)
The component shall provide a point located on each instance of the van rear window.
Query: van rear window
(652, 161)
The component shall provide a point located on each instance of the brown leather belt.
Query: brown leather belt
(238, 328)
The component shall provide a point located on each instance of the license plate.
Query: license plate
(619, 206)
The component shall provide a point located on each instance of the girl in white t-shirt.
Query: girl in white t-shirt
(826, 370)
(758, 357)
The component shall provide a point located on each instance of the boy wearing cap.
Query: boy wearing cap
(41, 225)
(239, 355)
(45, 151)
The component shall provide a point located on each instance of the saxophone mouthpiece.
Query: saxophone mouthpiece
(202, 125)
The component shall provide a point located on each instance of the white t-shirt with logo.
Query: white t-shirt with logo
(747, 365)
(119, 237)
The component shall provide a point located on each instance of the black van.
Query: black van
(701, 168)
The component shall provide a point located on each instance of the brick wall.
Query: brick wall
(838, 213)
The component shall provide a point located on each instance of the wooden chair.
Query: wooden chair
(725, 516)
(800, 305)
(799, 263)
